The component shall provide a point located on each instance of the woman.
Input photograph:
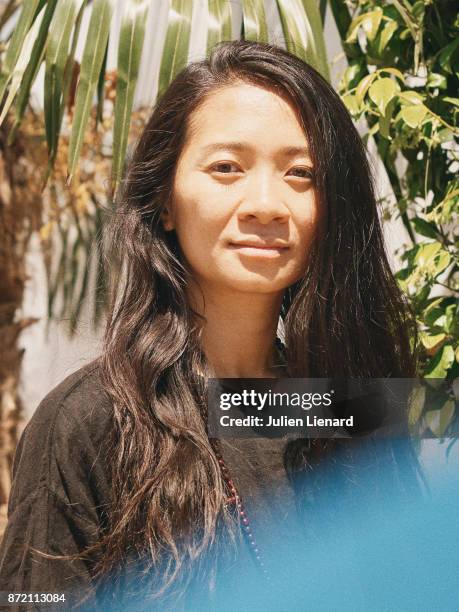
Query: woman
(248, 198)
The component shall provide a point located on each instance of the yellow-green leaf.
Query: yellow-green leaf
(351, 104)
(414, 115)
(432, 341)
(427, 253)
(393, 71)
(369, 22)
(411, 97)
(440, 363)
(386, 34)
(381, 92)
(436, 80)
(363, 86)
(441, 262)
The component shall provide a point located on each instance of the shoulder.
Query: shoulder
(61, 491)
(64, 441)
(78, 402)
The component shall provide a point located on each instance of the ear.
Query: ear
(167, 220)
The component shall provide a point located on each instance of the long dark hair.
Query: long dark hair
(344, 318)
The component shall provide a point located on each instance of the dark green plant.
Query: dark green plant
(402, 79)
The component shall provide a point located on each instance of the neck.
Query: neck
(239, 332)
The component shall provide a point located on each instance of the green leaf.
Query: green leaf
(17, 43)
(440, 263)
(430, 341)
(381, 92)
(93, 57)
(416, 405)
(438, 366)
(302, 28)
(352, 75)
(254, 20)
(452, 319)
(438, 421)
(131, 40)
(425, 228)
(56, 57)
(454, 101)
(418, 10)
(15, 76)
(435, 80)
(434, 311)
(175, 52)
(414, 115)
(445, 56)
(219, 23)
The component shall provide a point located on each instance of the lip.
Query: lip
(278, 246)
(257, 249)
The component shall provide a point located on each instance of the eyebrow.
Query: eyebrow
(241, 146)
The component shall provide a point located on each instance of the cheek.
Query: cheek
(198, 203)
(199, 222)
(308, 222)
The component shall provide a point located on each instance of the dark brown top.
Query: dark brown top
(61, 493)
(61, 487)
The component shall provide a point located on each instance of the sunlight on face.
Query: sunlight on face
(243, 202)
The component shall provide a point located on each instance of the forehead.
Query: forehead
(244, 111)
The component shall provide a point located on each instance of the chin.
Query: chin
(257, 284)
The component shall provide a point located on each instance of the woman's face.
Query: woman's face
(243, 202)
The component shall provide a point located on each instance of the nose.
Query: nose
(262, 200)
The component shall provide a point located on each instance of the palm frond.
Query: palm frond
(254, 20)
(16, 44)
(219, 23)
(129, 54)
(14, 77)
(175, 52)
(302, 28)
(93, 56)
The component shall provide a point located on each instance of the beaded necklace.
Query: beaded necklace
(235, 500)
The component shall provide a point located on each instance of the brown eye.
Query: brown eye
(225, 168)
(301, 172)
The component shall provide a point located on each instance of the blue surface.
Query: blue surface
(387, 555)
